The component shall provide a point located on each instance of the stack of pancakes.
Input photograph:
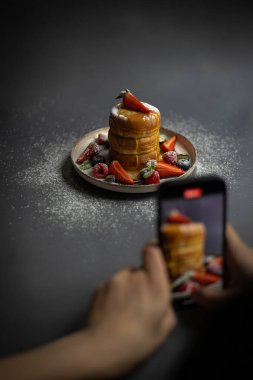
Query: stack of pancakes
(134, 136)
(184, 246)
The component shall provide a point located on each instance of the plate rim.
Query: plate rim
(118, 187)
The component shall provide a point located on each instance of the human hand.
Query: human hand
(240, 270)
(131, 314)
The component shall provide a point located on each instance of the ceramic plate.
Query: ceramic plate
(183, 146)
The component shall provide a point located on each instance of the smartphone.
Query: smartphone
(191, 230)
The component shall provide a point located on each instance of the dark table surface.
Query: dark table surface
(62, 64)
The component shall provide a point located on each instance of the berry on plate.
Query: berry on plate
(168, 170)
(97, 160)
(146, 172)
(169, 144)
(121, 175)
(170, 157)
(91, 150)
(100, 170)
(102, 139)
(184, 164)
(153, 179)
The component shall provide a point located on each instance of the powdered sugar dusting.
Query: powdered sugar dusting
(68, 199)
(151, 108)
(216, 154)
(72, 202)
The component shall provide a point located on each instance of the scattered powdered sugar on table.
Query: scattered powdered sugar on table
(77, 205)
(216, 154)
(67, 199)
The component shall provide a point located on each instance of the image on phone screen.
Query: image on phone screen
(192, 237)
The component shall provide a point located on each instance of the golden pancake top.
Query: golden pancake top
(129, 123)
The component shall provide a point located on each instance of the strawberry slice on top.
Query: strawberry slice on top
(131, 102)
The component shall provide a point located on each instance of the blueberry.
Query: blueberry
(184, 164)
(146, 172)
(97, 160)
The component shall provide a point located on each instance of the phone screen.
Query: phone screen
(191, 229)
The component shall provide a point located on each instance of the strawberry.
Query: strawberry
(205, 278)
(168, 170)
(176, 217)
(153, 179)
(131, 102)
(121, 175)
(189, 286)
(91, 150)
(169, 144)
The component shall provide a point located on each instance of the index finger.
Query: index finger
(154, 265)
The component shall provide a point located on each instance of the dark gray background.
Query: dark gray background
(62, 64)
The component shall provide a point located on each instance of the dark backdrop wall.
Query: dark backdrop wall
(62, 64)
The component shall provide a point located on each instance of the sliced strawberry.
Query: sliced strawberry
(189, 286)
(90, 151)
(131, 102)
(169, 144)
(205, 278)
(121, 175)
(176, 217)
(154, 178)
(168, 170)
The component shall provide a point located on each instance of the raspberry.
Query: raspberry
(153, 179)
(102, 138)
(170, 157)
(100, 170)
